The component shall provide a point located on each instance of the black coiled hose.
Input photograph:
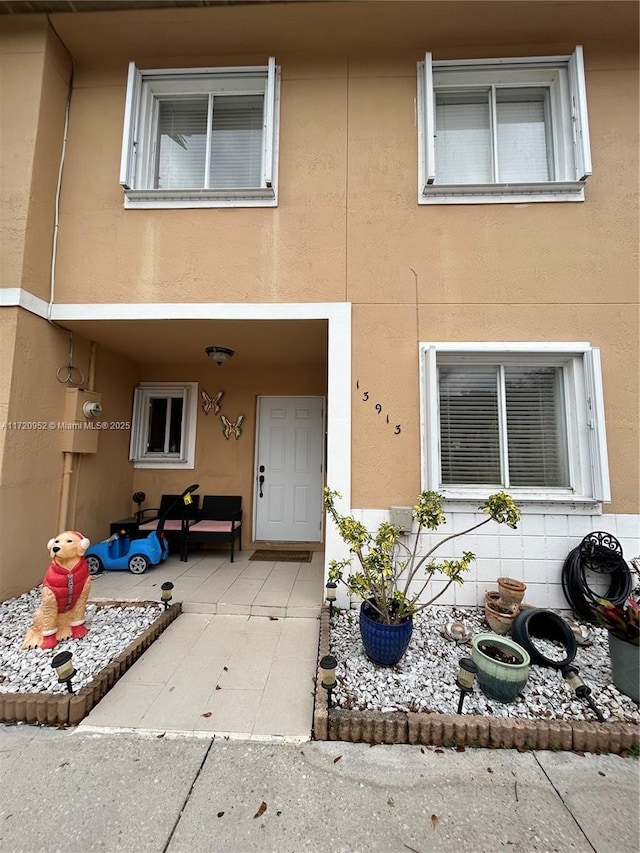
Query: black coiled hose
(603, 560)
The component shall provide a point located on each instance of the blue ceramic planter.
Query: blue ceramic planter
(384, 644)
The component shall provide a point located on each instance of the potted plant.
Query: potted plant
(502, 666)
(389, 560)
(623, 625)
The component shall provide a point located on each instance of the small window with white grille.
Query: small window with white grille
(163, 425)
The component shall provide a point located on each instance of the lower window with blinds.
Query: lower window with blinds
(530, 421)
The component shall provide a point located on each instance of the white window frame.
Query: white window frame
(146, 86)
(565, 78)
(143, 394)
(585, 422)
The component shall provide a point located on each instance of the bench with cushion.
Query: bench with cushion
(178, 515)
(219, 520)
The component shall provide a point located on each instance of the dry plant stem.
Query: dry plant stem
(422, 560)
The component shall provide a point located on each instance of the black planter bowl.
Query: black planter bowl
(383, 644)
(541, 624)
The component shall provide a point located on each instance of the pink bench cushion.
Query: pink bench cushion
(214, 526)
(168, 525)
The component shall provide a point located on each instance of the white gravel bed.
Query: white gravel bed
(111, 630)
(425, 678)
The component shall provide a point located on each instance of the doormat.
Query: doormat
(282, 556)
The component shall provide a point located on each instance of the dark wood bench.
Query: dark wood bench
(219, 520)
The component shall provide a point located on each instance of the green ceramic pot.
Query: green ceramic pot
(498, 680)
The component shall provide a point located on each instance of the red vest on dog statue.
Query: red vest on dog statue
(65, 590)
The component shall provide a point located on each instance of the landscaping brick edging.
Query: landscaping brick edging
(52, 709)
(375, 727)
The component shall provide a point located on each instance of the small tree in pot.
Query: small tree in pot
(389, 565)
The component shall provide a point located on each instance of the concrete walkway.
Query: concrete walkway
(240, 661)
(237, 676)
(74, 792)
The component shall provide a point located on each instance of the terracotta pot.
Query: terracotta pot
(511, 590)
(499, 616)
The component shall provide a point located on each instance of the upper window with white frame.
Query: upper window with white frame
(528, 418)
(503, 130)
(163, 426)
(201, 137)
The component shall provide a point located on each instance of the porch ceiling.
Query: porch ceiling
(276, 343)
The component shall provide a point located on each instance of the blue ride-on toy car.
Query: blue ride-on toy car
(120, 552)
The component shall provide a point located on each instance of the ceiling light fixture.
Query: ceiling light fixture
(219, 354)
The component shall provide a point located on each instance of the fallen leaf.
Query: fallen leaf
(435, 820)
(261, 810)
(338, 757)
(218, 687)
(273, 618)
(489, 770)
(220, 814)
(278, 813)
(162, 735)
(423, 752)
(460, 748)
(439, 751)
(226, 668)
(600, 773)
(390, 802)
(206, 714)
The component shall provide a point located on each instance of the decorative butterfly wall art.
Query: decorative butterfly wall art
(229, 428)
(209, 403)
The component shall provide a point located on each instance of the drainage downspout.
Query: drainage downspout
(70, 458)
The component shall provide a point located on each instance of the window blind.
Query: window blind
(463, 138)
(535, 427)
(182, 144)
(521, 136)
(469, 431)
(236, 149)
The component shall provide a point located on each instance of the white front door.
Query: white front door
(289, 464)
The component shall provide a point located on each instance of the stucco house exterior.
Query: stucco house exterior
(414, 223)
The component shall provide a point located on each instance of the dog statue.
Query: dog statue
(65, 590)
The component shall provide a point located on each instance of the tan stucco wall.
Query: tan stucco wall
(35, 72)
(347, 227)
(32, 458)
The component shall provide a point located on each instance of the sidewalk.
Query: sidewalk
(74, 792)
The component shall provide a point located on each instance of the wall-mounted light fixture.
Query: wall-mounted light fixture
(219, 354)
